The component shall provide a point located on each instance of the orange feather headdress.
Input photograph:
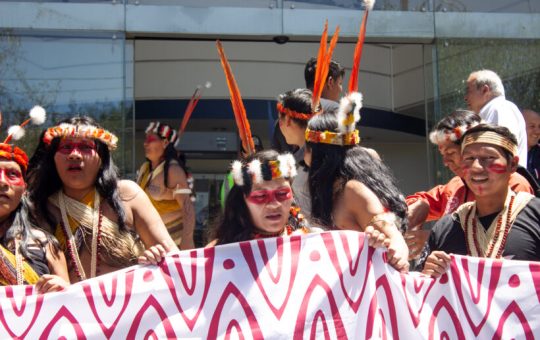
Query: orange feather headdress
(353, 80)
(239, 110)
(323, 64)
(190, 108)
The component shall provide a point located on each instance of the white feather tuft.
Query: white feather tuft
(254, 168)
(16, 132)
(350, 104)
(357, 99)
(287, 165)
(38, 115)
(368, 4)
(237, 173)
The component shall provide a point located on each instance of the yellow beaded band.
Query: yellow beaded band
(489, 137)
(334, 138)
(81, 131)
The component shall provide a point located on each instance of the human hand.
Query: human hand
(416, 239)
(376, 239)
(436, 263)
(398, 253)
(152, 255)
(50, 283)
(417, 213)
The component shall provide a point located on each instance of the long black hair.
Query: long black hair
(236, 224)
(21, 223)
(43, 178)
(332, 166)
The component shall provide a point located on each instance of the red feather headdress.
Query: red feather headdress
(323, 64)
(190, 108)
(239, 110)
(353, 80)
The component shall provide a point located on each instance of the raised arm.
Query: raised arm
(368, 210)
(146, 220)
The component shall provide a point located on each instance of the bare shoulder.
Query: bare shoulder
(354, 188)
(177, 175)
(128, 190)
(356, 192)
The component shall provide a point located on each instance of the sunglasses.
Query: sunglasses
(267, 196)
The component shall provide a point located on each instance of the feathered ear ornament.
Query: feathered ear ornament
(349, 112)
(353, 81)
(239, 110)
(323, 65)
(37, 117)
(189, 110)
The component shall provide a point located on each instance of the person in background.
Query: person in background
(294, 109)
(329, 100)
(167, 183)
(532, 123)
(485, 96)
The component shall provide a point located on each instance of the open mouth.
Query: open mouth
(74, 168)
(273, 217)
(479, 179)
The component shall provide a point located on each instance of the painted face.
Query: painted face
(475, 97)
(154, 147)
(532, 121)
(87, 147)
(12, 187)
(269, 204)
(77, 162)
(486, 169)
(451, 155)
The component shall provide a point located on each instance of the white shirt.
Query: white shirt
(502, 112)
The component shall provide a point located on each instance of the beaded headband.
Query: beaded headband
(296, 114)
(489, 137)
(444, 135)
(348, 115)
(257, 171)
(162, 130)
(81, 131)
(13, 153)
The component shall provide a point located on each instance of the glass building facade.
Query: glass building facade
(133, 61)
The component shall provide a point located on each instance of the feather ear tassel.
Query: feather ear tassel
(190, 108)
(37, 117)
(239, 110)
(238, 177)
(353, 81)
(323, 64)
(349, 112)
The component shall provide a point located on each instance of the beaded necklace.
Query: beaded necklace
(490, 247)
(19, 269)
(70, 239)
